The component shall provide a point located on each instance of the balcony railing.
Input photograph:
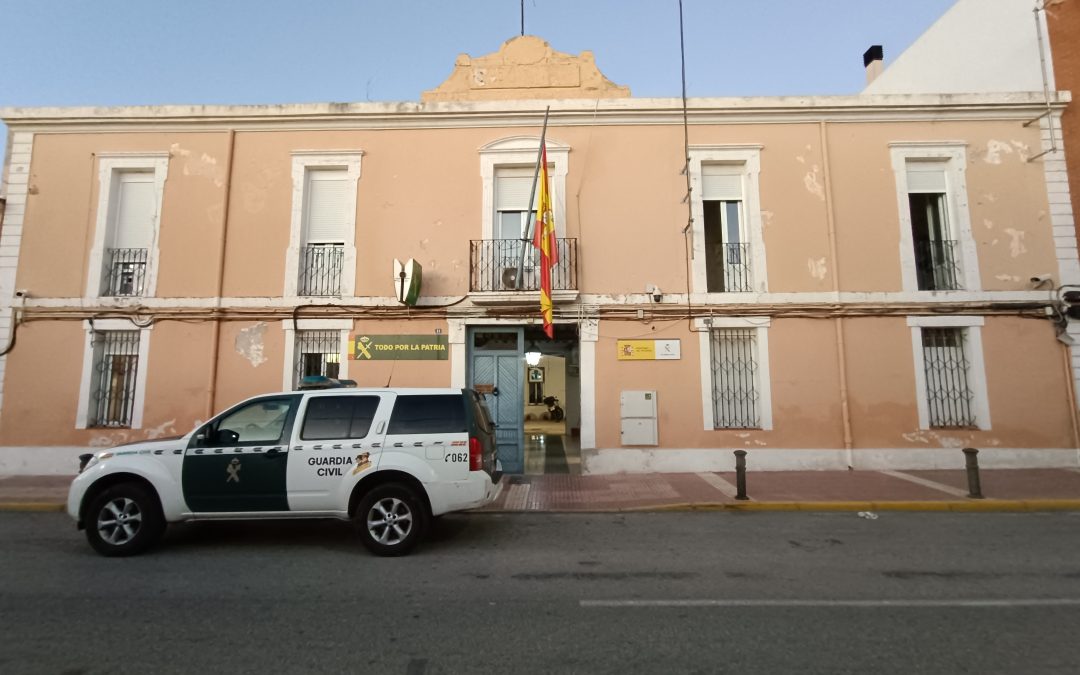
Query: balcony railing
(738, 277)
(125, 272)
(320, 269)
(936, 266)
(494, 266)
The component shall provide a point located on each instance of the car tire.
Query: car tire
(391, 519)
(124, 520)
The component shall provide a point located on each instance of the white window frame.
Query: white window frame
(343, 326)
(976, 371)
(953, 157)
(82, 413)
(748, 158)
(520, 151)
(349, 160)
(110, 166)
(704, 327)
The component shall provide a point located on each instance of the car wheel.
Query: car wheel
(391, 519)
(123, 520)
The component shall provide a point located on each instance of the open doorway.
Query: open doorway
(551, 401)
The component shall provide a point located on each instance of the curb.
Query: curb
(972, 506)
(37, 507)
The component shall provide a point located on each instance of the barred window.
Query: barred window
(116, 365)
(735, 386)
(948, 377)
(318, 352)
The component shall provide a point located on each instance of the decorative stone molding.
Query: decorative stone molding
(525, 67)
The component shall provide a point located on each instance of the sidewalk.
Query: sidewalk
(1004, 489)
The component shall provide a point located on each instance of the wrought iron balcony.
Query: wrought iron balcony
(494, 266)
(936, 267)
(125, 272)
(320, 269)
(738, 276)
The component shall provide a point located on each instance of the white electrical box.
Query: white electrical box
(638, 418)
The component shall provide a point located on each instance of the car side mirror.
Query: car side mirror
(225, 437)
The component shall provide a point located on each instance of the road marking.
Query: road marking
(822, 603)
(720, 484)
(1019, 602)
(933, 485)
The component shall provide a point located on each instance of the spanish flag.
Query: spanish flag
(544, 240)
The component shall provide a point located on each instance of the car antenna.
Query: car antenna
(391, 375)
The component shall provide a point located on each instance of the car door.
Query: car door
(238, 461)
(338, 439)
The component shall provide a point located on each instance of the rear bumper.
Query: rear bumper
(476, 491)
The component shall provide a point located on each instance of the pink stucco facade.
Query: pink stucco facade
(837, 322)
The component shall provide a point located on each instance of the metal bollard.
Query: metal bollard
(971, 459)
(740, 475)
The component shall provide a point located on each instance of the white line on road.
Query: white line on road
(1020, 602)
(933, 485)
(720, 484)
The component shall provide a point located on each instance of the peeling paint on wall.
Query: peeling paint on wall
(162, 429)
(205, 165)
(988, 224)
(1016, 242)
(1022, 150)
(994, 150)
(817, 268)
(1007, 277)
(249, 344)
(813, 182)
(766, 219)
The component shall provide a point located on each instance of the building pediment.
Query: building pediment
(525, 67)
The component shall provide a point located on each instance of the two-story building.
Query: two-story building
(856, 281)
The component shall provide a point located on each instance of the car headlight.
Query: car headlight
(91, 460)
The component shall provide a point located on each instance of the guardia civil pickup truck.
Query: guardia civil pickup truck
(387, 459)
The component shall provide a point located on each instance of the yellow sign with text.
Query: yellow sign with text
(648, 350)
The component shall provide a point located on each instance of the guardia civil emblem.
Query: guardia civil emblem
(232, 471)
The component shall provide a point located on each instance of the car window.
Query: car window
(480, 411)
(259, 421)
(428, 414)
(330, 417)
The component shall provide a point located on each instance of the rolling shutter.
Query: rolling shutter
(512, 187)
(329, 212)
(926, 177)
(721, 182)
(134, 225)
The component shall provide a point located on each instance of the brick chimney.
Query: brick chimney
(873, 61)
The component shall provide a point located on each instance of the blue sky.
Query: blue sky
(110, 52)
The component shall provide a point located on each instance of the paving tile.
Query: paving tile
(1014, 483)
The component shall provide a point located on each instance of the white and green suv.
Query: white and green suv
(388, 459)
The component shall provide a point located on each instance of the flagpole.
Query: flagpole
(526, 235)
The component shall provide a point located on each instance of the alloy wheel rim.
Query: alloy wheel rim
(389, 521)
(119, 521)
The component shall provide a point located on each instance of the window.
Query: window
(936, 255)
(123, 258)
(949, 376)
(332, 417)
(948, 390)
(115, 371)
(736, 401)
(130, 230)
(318, 352)
(729, 248)
(727, 251)
(937, 249)
(428, 414)
(112, 390)
(321, 260)
(736, 392)
(507, 168)
(327, 215)
(261, 421)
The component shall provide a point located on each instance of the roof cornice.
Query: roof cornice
(570, 112)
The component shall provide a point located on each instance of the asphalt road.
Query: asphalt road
(649, 593)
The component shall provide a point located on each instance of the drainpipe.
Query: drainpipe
(215, 348)
(845, 410)
(1070, 392)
